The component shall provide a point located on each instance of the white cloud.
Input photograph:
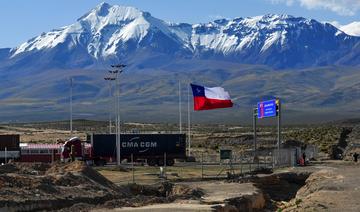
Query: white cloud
(350, 29)
(217, 17)
(341, 7)
(288, 2)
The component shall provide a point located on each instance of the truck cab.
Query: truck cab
(73, 149)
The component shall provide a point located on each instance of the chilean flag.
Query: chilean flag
(210, 98)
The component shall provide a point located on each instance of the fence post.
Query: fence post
(132, 167)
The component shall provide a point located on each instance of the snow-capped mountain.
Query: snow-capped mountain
(105, 30)
(112, 33)
(276, 40)
(319, 66)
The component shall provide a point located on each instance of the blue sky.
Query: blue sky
(21, 20)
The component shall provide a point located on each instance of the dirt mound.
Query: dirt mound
(36, 186)
(76, 186)
(69, 179)
(98, 178)
(24, 168)
(61, 168)
(79, 168)
(332, 187)
(319, 181)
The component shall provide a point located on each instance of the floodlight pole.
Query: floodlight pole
(110, 79)
(118, 70)
(110, 107)
(118, 130)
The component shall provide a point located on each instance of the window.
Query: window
(34, 151)
(44, 151)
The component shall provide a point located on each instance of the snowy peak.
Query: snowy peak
(256, 33)
(107, 14)
(102, 9)
(101, 31)
(115, 32)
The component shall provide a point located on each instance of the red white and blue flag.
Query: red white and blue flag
(210, 98)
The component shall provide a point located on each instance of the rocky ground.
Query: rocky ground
(353, 143)
(322, 186)
(334, 186)
(76, 187)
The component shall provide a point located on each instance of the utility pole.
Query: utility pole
(71, 108)
(118, 69)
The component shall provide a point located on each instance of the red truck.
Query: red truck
(81, 150)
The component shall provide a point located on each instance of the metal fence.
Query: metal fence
(207, 167)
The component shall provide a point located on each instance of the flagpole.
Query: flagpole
(189, 125)
(180, 121)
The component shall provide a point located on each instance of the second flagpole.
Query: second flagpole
(189, 125)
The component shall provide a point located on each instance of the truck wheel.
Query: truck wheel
(170, 162)
(151, 162)
(160, 162)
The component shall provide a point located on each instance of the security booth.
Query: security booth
(225, 154)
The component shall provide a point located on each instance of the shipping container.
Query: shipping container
(154, 148)
(11, 142)
(9, 147)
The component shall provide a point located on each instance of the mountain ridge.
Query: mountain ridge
(311, 66)
(112, 33)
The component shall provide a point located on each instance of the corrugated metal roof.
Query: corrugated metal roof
(44, 146)
(40, 146)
